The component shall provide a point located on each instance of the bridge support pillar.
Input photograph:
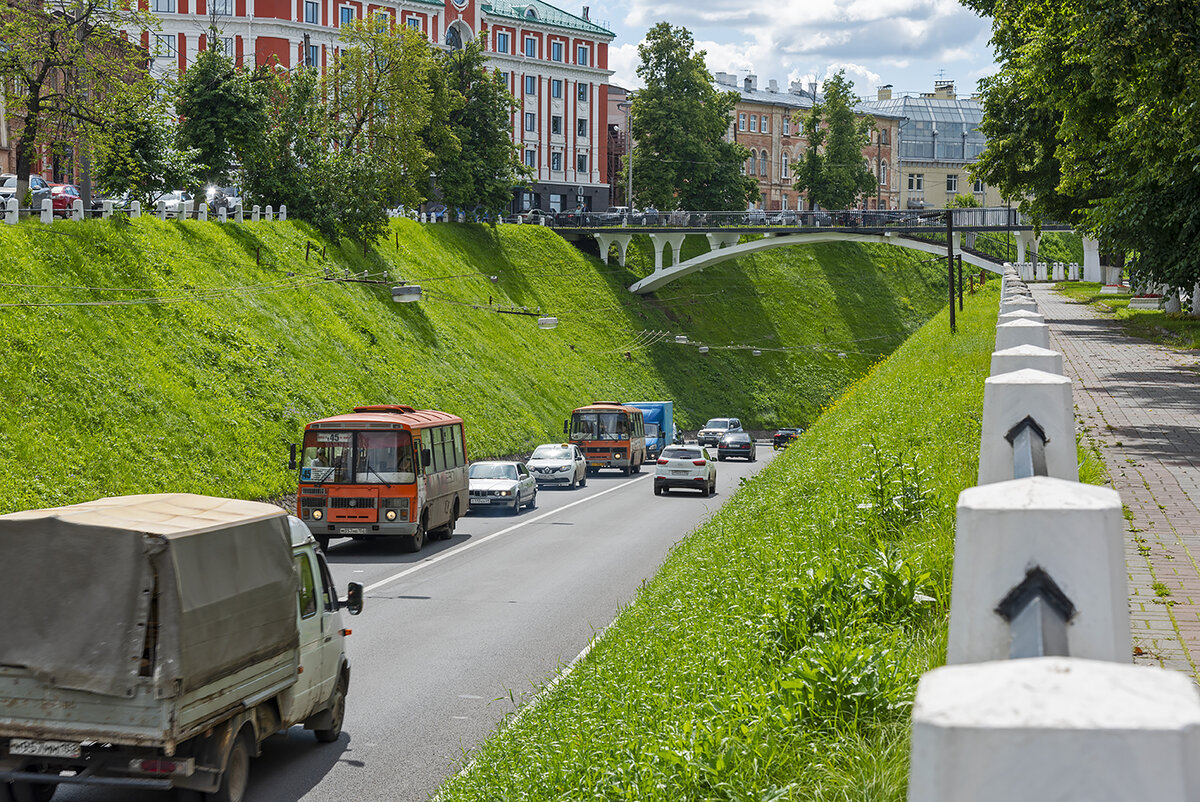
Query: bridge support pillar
(718, 241)
(1091, 259)
(1026, 242)
(620, 240)
(660, 241)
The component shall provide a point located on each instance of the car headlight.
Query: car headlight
(390, 515)
(566, 468)
(318, 514)
(503, 492)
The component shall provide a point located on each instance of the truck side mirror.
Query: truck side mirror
(426, 457)
(354, 598)
(566, 427)
(292, 459)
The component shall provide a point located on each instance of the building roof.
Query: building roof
(542, 13)
(935, 129)
(797, 96)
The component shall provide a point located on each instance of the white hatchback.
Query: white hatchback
(685, 466)
(558, 464)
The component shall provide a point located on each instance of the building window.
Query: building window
(787, 125)
(165, 45)
(556, 51)
(531, 84)
(783, 166)
(581, 128)
(916, 182)
(556, 161)
(883, 171)
(222, 8)
(530, 47)
(742, 121)
(952, 183)
(581, 56)
(555, 124)
(979, 186)
(582, 93)
(530, 159)
(161, 6)
(314, 55)
(765, 127)
(884, 136)
(504, 78)
(345, 15)
(754, 123)
(414, 23)
(753, 162)
(530, 121)
(581, 163)
(762, 164)
(555, 87)
(226, 43)
(312, 12)
(501, 42)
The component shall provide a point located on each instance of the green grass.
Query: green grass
(206, 396)
(776, 653)
(1175, 330)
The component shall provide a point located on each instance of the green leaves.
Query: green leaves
(832, 171)
(222, 114)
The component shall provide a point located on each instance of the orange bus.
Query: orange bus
(610, 436)
(383, 471)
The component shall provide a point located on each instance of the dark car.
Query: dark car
(737, 444)
(783, 437)
(38, 188)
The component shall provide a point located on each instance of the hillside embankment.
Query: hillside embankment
(149, 355)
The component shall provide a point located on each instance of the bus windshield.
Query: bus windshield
(599, 426)
(374, 457)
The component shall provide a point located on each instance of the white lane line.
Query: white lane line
(472, 543)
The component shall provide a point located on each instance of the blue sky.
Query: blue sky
(906, 43)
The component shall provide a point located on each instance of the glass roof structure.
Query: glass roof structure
(935, 129)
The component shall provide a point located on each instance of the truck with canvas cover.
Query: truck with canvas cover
(155, 641)
(659, 417)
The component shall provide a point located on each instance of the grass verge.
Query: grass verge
(1175, 330)
(775, 655)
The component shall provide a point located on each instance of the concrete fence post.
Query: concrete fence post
(47, 210)
(1015, 302)
(283, 211)
(239, 214)
(161, 210)
(106, 209)
(255, 213)
(1054, 728)
(12, 211)
(77, 209)
(1022, 357)
(1059, 273)
(1020, 314)
(202, 211)
(1073, 532)
(268, 213)
(135, 209)
(221, 214)
(1008, 399)
(1073, 271)
(1022, 332)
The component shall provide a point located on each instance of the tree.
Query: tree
(139, 157)
(1094, 119)
(68, 74)
(832, 171)
(222, 111)
(477, 165)
(679, 122)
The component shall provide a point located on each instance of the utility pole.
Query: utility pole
(950, 263)
(960, 283)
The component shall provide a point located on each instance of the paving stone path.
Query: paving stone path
(1138, 404)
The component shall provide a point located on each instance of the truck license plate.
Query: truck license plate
(354, 530)
(28, 746)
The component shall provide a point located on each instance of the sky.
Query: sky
(906, 43)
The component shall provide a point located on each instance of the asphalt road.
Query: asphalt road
(454, 638)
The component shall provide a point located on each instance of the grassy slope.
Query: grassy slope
(205, 397)
(774, 655)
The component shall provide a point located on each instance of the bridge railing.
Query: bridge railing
(908, 219)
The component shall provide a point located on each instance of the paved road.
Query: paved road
(448, 634)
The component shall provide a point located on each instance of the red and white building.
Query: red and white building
(555, 63)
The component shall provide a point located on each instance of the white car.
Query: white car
(503, 485)
(558, 464)
(717, 428)
(685, 466)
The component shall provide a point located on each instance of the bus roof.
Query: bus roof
(386, 416)
(606, 406)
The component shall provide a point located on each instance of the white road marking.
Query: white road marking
(471, 543)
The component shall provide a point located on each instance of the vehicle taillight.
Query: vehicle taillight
(699, 462)
(662, 461)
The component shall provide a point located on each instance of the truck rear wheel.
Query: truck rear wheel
(237, 771)
(337, 713)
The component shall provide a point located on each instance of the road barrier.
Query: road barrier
(10, 211)
(1039, 700)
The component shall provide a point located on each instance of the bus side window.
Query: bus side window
(439, 456)
(417, 445)
(460, 457)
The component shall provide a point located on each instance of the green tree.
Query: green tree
(222, 111)
(139, 157)
(682, 159)
(477, 165)
(832, 172)
(68, 74)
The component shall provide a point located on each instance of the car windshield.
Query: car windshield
(358, 457)
(717, 423)
(10, 181)
(493, 470)
(599, 426)
(682, 453)
(551, 452)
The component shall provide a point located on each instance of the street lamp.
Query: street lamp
(406, 293)
(547, 322)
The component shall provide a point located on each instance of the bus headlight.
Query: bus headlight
(390, 515)
(318, 514)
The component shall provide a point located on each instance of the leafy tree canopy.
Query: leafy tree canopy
(682, 159)
(832, 171)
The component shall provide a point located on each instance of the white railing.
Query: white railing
(10, 211)
(1038, 700)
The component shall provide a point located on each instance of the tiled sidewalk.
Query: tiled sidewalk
(1139, 403)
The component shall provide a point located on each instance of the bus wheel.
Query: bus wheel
(416, 541)
(447, 531)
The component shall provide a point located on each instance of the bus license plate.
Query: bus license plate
(28, 746)
(353, 530)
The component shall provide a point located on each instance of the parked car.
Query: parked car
(783, 437)
(62, 196)
(226, 198)
(558, 464)
(737, 444)
(717, 428)
(685, 466)
(38, 186)
(754, 217)
(616, 215)
(436, 212)
(174, 201)
(533, 217)
(650, 216)
(579, 216)
(501, 484)
(784, 217)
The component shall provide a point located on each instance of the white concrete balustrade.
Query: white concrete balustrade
(1011, 397)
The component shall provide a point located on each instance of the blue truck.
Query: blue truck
(659, 417)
